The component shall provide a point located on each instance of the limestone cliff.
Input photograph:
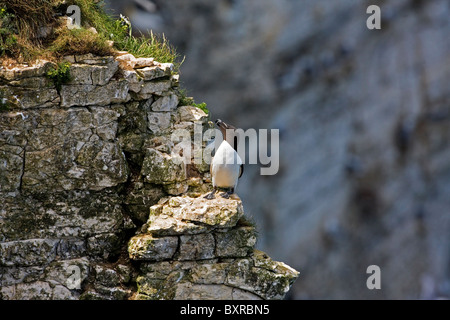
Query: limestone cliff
(201, 249)
(86, 164)
(364, 120)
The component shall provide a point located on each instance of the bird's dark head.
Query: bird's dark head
(224, 126)
(227, 132)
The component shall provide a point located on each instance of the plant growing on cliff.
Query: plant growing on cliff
(79, 41)
(31, 29)
(7, 38)
(189, 101)
(202, 106)
(21, 23)
(120, 31)
(60, 75)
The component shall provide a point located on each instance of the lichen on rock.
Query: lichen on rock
(200, 249)
(85, 165)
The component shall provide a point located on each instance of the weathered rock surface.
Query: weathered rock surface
(252, 278)
(202, 249)
(66, 159)
(185, 215)
(84, 166)
(364, 131)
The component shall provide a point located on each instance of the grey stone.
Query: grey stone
(21, 98)
(60, 272)
(107, 293)
(72, 215)
(189, 113)
(28, 252)
(39, 69)
(33, 82)
(106, 277)
(88, 95)
(135, 82)
(88, 149)
(255, 277)
(149, 248)
(238, 294)
(176, 188)
(127, 60)
(167, 103)
(11, 170)
(262, 276)
(92, 59)
(105, 245)
(153, 87)
(209, 273)
(196, 247)
(81, 167)
(160, 168)
(155, 72)
(189, 291)
(236, 242)
(39, 290)
(185, 215)
(159, 122)
(92, 74)
(140, 198)
(144, 62)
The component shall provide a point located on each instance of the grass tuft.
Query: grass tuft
(120, 31)
(79, 41)
(30, 16)
(202, 106)
(60, 75)
(23, 23)
(189, 101)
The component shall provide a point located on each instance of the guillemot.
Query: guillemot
(226, 166)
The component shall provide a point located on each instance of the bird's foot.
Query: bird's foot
(210, 196)
(225, 195)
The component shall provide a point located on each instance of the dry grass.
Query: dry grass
(21, 23)
(31, 15)
(79, 41)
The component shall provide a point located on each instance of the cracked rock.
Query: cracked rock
(149, 248)
(214, 258)
(82, 167)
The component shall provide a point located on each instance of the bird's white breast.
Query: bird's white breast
(226, 166)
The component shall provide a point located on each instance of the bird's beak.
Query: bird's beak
(221, 124)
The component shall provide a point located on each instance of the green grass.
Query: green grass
(79, 41)
(119, 31)
(150, 46)
(29, 16)
(8, 41)
(202, 106)
(60, 75)
(21, 20)
(189, 101)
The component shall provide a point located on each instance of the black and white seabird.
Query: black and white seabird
(226, 166)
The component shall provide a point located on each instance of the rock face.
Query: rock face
(200, 249)
(364, 132)
(81, 164)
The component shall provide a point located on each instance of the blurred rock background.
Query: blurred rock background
(364, 119)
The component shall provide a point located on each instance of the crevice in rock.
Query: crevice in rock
(23, 166)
